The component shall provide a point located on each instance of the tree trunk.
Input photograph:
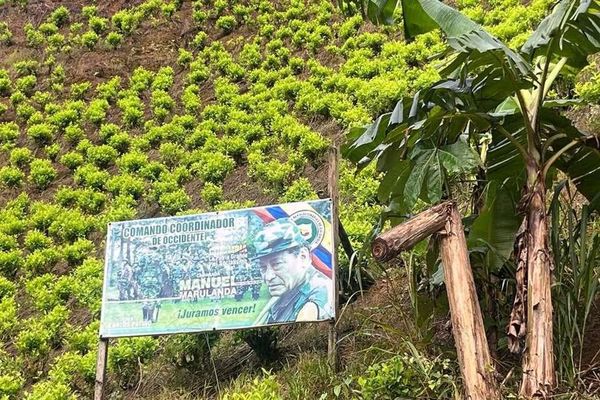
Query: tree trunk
(467, 322)
(538, 359)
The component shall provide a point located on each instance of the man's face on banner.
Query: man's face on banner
(284, 270)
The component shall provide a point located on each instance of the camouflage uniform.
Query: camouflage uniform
(278, 236)
(149, 277)
(125, 281)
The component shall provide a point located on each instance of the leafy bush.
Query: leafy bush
(42, 173)
(260, 388)
(11, 378)
(59, 16)
(8, 317)
(41, 261)
(70, 225)
(173, 202)
(96, 111)
(300, 190)
(227, 23)
(9, 132)
(408, 376)
(20, 156)
(163, 80)
(132, 109)
(125, 356)
(213, 167)
(102, 155)
(11, 176)
(211, 194)
(114, 39)
(7, 288)
(74, 133)
(126, 185)
(36, 240)
(91, 176)
(51, 390)
(72, 160)
(5, 33)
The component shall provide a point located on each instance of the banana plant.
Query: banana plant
(500, 98)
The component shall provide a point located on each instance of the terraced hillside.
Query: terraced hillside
(122, 110)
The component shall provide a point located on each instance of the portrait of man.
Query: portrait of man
(298, 291)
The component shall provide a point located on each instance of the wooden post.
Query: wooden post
(332, 353)
(467, 322)
(101, 369)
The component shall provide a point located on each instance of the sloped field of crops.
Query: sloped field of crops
(126, 110)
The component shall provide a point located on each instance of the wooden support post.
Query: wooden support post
(332, 353)
(467, 322)
(101, 369)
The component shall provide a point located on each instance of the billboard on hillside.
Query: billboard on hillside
(225, 270)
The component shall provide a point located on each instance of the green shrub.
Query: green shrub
(227, 23)
(9, 132)
(51, 390)
(11, 176)
(98, 24)
(141, 79)
(41, 261)
(184, 57)
(260, 388)
(7, 288)
(75, 253)
(132, 161)
(74, 369)
(20, 156)
(120, 142)
(70, 225)
(213, 167)
(42, 293)
(74, 133)
(34, 37)
(300, 190)
(408, 376)
(102, 155)
(91, 176)
(114, 39)
(132, 109)
(200, 39)
(85, 340)
(211, 194)
(171, 154)
(59, 16)
(5, 33)
(96, 111)
(173, 202)
(36, 240)
(11, 378)
(191, 99)
(109, 90)
(163, 80)
(87, 286)
(52, 151)
(72, 160)
(8, 316)
(42, 173)
(124, 357)
(126, 185)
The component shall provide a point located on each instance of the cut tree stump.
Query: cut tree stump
(467, 323)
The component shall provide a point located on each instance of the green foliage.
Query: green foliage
(259, 388)
(125, 356)
(408, 376)
(11, 176)
(213, 167)
(5, 34)
(211, 194)
(42, 173)
(226, 23)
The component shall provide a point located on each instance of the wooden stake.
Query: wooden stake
(332, 353)
(101, 369)
(404, 236)
(467, 322)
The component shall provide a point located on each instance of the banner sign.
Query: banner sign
(225, 270)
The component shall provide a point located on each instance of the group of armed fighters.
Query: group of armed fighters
(157, 273)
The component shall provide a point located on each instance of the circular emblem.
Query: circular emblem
(311, 227)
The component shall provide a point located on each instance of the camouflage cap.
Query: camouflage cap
(276, 236)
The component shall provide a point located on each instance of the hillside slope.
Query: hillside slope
(142, 109)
